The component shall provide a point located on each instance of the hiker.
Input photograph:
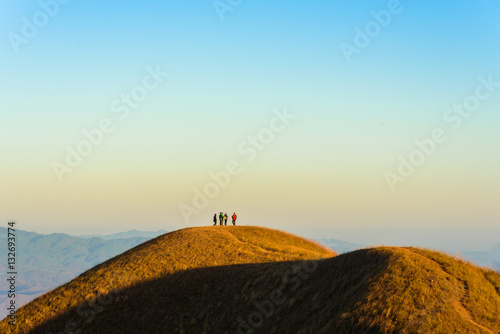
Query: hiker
(221, 218)
(225, 219)
(234, 218)
(215, 219)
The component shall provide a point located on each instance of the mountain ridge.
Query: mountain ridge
(250, 279)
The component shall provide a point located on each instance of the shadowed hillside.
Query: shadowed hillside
(167, 254)
(255, 280)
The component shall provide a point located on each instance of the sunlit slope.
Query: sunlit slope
(378, 290)
(168, 254)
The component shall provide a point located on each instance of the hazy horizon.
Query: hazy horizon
(477, 240)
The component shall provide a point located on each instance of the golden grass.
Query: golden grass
(201, 280)
(184, 249)
(423, 291)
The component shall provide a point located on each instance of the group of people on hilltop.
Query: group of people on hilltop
(223, 218)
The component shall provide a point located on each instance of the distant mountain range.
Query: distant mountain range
(489, 259)
(46, 261)
(339, 246)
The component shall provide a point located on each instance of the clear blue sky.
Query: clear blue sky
(327, 168)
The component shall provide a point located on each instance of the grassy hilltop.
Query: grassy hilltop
(241, 279)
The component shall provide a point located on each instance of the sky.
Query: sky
(335, 118)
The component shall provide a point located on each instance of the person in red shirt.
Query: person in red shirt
(234, 218)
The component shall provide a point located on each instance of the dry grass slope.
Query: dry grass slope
(423, 291)
(212, 280)
(181, 250)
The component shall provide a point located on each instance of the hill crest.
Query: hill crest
(379, 290)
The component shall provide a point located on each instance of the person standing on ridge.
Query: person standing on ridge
(215, 219)
(225, 219)
(234, 218)
(221, 218)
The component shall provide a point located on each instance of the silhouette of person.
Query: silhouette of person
(215, 219)
(221, 218)
(225, 219)
(234, 218)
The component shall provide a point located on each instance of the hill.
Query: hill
(47, 261)
(171, 253)
(255, 280)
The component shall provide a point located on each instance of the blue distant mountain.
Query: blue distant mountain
(339, 246)
(46, 261)
(489, 259)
